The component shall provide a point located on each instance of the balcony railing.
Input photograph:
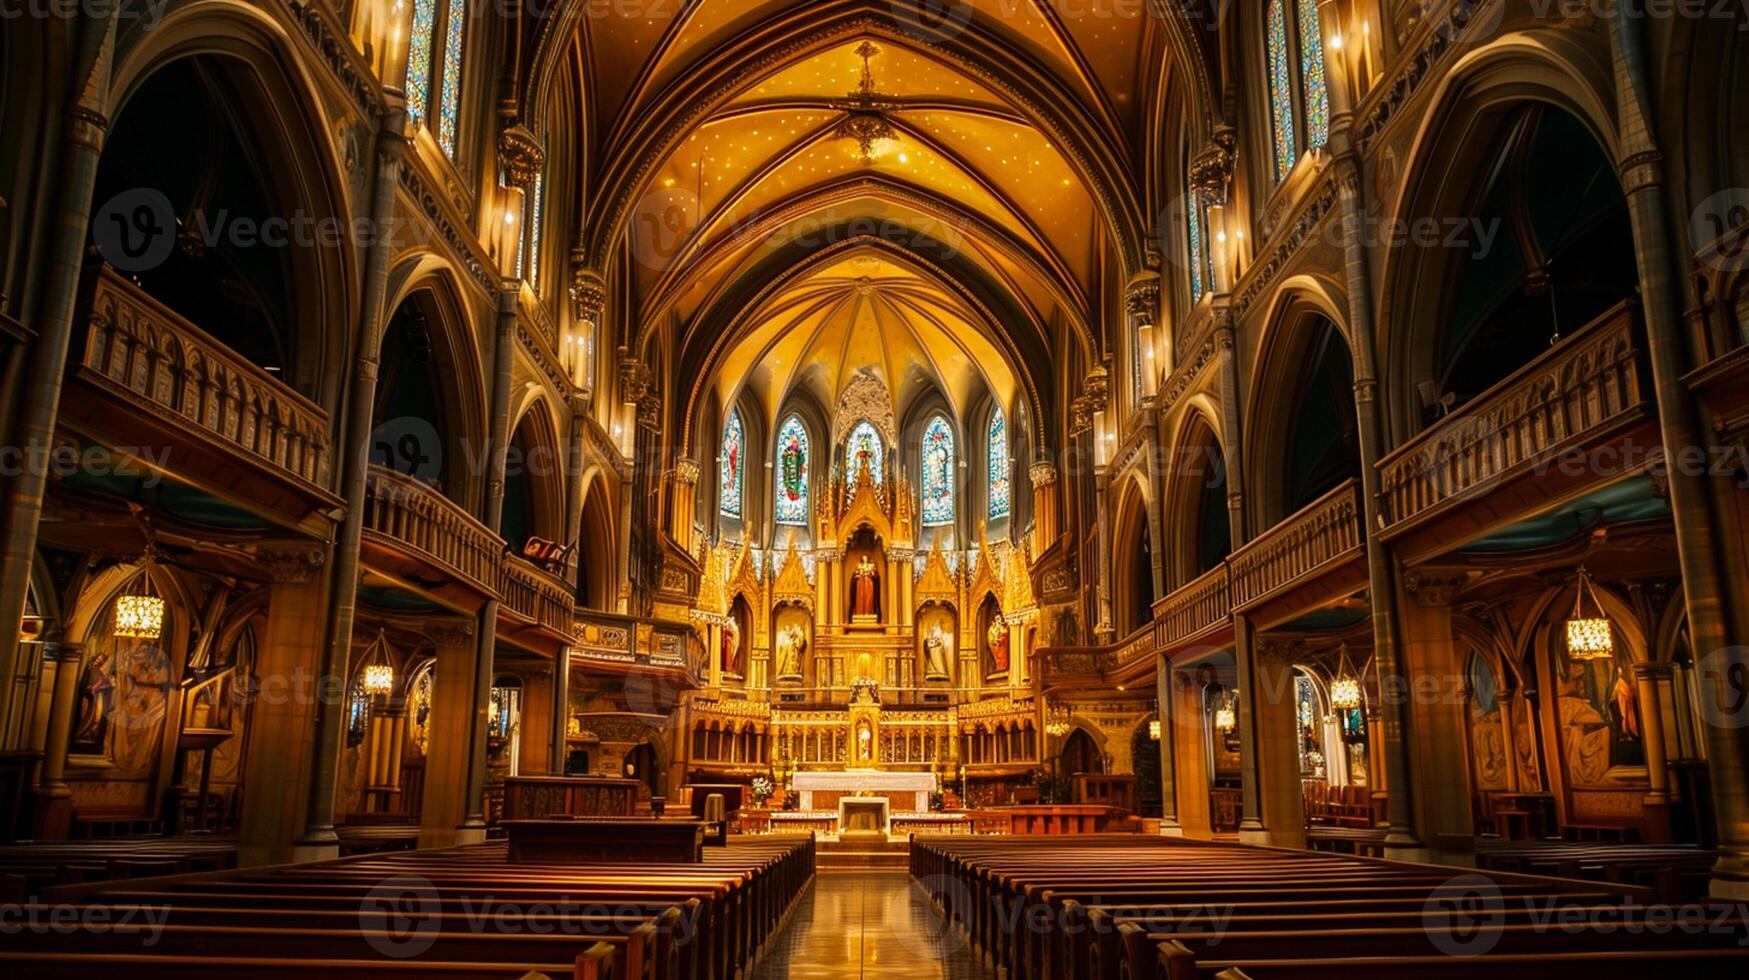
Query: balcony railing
(147, 353)
(1195, 609)
(612, 638)
(1574, 391)
(537, 595)
(403, 511)
(1299, 548)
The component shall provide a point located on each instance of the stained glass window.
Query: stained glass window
(1193, 230)
(937, 473)
(449, 85)
(864, 446)
(1281, 92)
(732, 464)
(792, 473)
(531, 233)
(419, 59)
(1001, 490)
(1312, 85)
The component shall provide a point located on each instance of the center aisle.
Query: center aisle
(867, 925)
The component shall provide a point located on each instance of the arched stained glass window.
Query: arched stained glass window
(1312, 85)
(456, 23)
(937, 473)
(792, 474)
(419, 46)
(1001, 486)
(864, 446)
(434, 66)
(732, 465)
(528, 262)
(1281, 88)
(1193, 221)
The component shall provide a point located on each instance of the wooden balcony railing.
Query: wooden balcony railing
(141, 349)
(537, 595)
(1588, 381)
(1099, 659)
(1196, 608)
(614, 638)
(1324, 533)
(400, 510)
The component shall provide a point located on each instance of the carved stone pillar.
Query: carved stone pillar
(1045, 528)
(1435, 665)
(1650, 681)
(1190, 766)
(54, 805)
(452, 718)
(682, 499)
(1169, 735)
(281, 766)
(1276, 765)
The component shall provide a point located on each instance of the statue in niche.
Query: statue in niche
(998, 638)
(791, 642)
(731, 645)
(937, 655)
(865, 590)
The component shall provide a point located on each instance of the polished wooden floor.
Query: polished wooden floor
(869, 925)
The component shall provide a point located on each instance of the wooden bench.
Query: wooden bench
(605, 839)
(463, 912)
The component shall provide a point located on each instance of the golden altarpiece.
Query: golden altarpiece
(866, 653)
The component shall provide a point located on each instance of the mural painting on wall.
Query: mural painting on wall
(123, 696)
(1599, 717)
(1486, 737)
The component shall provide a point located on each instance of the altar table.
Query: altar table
(908, 791)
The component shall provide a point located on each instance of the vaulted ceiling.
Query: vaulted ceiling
(1002, 151)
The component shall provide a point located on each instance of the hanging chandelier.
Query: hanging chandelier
(1226, 717)
(1345, 689)
(140, 615)
(377, 679)
(865, 111)
(1589, 637)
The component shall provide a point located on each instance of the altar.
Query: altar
(906, 791)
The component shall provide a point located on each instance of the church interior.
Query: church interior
(738, 489)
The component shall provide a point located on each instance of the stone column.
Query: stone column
(1190, 768)
(1043, 475)
(452, 712)
(558, 747)
(1275, 762)
(282, 766)
(54, 804)
(1719, 655)
(1650, 680)
(682, 503)
(1169, 737)
(352, 457)
(1439, 715)
(86, 128)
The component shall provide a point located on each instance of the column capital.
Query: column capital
(291, 563)
(449, 632)
(520, 155)
(1431, 588)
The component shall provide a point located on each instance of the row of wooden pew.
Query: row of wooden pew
(1128, 908)
(1677, 872)
(458, 913)
(27, 870)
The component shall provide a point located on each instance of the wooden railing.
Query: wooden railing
(161, 362)
(1584, 383)
(537, 595)
(1327, 531)
(633, 640)
(404, 511)
(1098, 659)
(1195, 608)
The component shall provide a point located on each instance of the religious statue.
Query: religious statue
(865, 586)
(998, 637)
(937, 655)
(731, 645)
(790, 643)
